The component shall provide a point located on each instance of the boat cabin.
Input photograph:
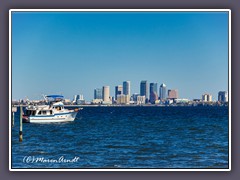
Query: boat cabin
(45, 112)
(54, 106)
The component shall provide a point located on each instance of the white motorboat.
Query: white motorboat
(53, 111)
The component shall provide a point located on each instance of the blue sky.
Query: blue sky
(72, 53)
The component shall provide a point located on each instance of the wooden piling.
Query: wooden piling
(20, 130)
(12, 119)
(14, 109)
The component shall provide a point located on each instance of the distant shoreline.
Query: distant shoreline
(144, 105)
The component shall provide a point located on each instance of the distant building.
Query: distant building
(98, 93)
(118, 91)
(75, 98)
(163, 92)
(67, 101)
(196, 100)
(81, 100)
(223, 96)
(135, 96)
(96, 101)
(153, 93)
(207, 98)
(106, 94)
(112, 100)
(172, 94)
(106, 102)
(144, 89)
(181, 100)
(81, 97)
(126, 88)
(123, 99)
(141, 100)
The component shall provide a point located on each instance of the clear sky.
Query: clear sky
(72, 53)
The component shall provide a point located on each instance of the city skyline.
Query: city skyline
(76, 52)
(156, 92)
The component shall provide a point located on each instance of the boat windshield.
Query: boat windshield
(58, 107)
(47, 112)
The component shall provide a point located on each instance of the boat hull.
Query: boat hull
(61, 117)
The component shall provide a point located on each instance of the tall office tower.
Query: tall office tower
(153, 93)
(106, 93)
(207, 97)
(126, 88)
(172, 94)
(223, 96)
(163, 92)
(76, 97)
(98, 93)
(118, 91)
(144, 90)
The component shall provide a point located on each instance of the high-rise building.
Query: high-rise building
(134, 97)
(141, 100)
(123, 99)
(144, 89)
(153, 93)
(207, 97)
(76, 97)
(172, 94)
(81, 100)
(98, 93)
(223, 96)
(162, 92)
(118, 91)
(106, 93)
(126, 88)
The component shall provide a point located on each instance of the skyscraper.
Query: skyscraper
(106, 93)
(98, 93)
(144, 89)
(207, 97)
(223, 96)
(172, 94)
(76, 97)
(118, 91)
(153, 92)
(162, 92)
(126, 88)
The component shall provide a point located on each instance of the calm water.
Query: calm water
(129, 137)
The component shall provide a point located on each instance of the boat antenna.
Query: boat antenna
(45, 97)
(27, 100)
